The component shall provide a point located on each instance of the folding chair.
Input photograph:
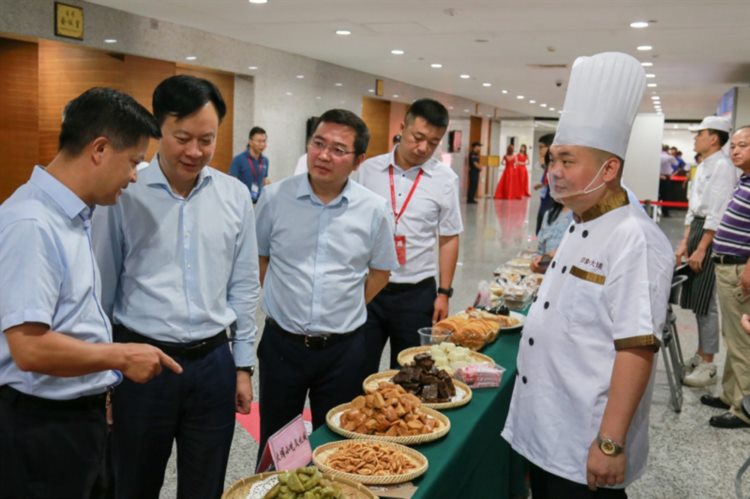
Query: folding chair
(671, 351)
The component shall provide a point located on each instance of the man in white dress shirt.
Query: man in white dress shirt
(422, 192)
(580, 405)
(711, 191)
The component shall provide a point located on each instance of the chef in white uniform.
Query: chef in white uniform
(580, 405)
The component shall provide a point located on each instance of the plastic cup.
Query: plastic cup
(432, 335)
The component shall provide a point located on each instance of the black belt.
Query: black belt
(395, 287)
(316, 342)
(22, 400)
(729, 259)
(190, 350)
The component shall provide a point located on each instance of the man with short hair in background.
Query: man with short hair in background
(250, 166)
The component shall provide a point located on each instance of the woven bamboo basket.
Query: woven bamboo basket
(351, 489)
(463, 392)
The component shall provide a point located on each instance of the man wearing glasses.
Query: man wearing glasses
(325, 248)
(422, 193)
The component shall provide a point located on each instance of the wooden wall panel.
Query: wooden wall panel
(376, 113)
(19, 137)
(225, 82)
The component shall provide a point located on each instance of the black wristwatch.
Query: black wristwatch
(248, 369)
(447, 292)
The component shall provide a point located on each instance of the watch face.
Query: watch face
(608, 448)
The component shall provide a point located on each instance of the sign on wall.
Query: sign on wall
(68, 21)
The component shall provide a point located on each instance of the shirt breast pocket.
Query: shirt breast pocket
(581, 298)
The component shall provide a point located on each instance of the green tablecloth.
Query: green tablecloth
(473, 460)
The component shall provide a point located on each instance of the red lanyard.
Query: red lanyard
(256, 174)
(397, 216)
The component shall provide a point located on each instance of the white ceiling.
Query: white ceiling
(700, 48)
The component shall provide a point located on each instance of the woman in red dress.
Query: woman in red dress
(514, 184)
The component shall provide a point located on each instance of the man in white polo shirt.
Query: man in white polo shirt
(423, 195)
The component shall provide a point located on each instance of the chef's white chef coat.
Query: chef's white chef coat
(606, 289)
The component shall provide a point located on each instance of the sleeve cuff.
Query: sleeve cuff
(646, 340)
(243, 353)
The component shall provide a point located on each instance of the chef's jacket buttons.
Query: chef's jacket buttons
(553, 264)
(572, 228)
(546, 305)
(585, 233)
(531, 342)
(523, 378)
(534, 300)
(564, 269)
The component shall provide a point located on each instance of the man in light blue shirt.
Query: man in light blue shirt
(326, 249)
(57, 360)
(179, 265)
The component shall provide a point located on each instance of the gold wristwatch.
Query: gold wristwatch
(608, 446)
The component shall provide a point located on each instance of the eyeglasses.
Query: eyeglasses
(335, 151)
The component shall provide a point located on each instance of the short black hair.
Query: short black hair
(183, 95)
(474, 144)
(547, 139)
(429, 110)
(105, 112)
(348, 118)
(723, 136)
(255, 131)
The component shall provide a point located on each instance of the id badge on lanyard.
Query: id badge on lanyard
(399, 241)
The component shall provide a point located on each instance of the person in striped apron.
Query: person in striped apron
(712, 188)
(731, 251)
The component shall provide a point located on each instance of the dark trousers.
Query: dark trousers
(289, 370)
(195, 408)
(545, 485)
(397, 315)
(50, 450)
(473, 183)
(663, 188)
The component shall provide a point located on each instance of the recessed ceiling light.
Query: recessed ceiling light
(395, 96)
(465, 76)
(647, 64)
(436, 65)
(652, 85)
(190, 58)
(258, 1)
(639, 24)
(655, 97)
(532, 101)
(542, 105)
(450, 107)
(318, 97)
(343, 32)
(289, 93)
(644, 48)
(338, 84)
(252, 68)
(110, 40)
(503, 91)
(650, 75)
(519, 97)
(397, 52)
(486, 84)
(300, 76)
(466, 110)
(552, 109)
(371, 90)
(559, 111)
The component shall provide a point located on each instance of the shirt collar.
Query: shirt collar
(713, 158)
(609, 202)
(60, 194)
(152, 175)
(427, 167)
(304, 189)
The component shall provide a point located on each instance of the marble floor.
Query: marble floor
(688, 459)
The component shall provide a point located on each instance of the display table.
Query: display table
(473, 460)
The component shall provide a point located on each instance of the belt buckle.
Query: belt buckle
(315, 342)
(192, 348)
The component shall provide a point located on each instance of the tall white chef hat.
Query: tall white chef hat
(604, 93)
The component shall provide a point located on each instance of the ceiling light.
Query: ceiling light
(465, 76)
(559, 111)
(542, 105)
(504, 91)
(532, 102)
(519, 97)
(639, 24)
(652, 85)
(650, 75)
(337, 84)
(252, 68)
(486, 84)
(258, 1)
(466, 110)
(371, 90)
(552, 109)
(397, 52)
(436, 65)
(647, 64)
(190, 58)
(110, 40)
(395, 96)
(450, 107)
(318, 97)
(644, 48)
(300, 76)
(289, 93)
(343, 32)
